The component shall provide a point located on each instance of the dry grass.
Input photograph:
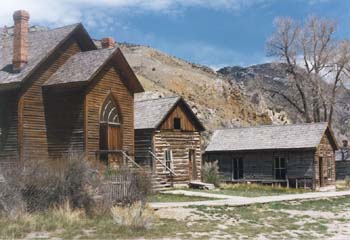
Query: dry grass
(66, 215)
(135, 216)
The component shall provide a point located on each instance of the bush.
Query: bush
(45, 184)
(347, 182)
(136, 216)
(66, 215)
(210, 173)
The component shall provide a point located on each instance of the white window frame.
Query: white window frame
(166, 160)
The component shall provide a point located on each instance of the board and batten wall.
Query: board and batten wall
(108, 82)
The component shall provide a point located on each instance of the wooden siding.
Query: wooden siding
(8, 126)
(180, 143)
(107, 82)
(259, 165)
(342, 169)
(64, 112)
(143, 144)
(186, 122)
(325, 150)
(33, 139)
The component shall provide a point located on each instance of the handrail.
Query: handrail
(122, 152)
(166, 167)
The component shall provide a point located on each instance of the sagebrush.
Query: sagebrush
(210, 173)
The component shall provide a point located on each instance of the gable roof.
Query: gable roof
(151, 113)
(269, 137)
(40, 45)
(83, 66)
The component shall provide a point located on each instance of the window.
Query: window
(237, 168)
(329, 168)
(280, 167)
(177, 123)
(168, 158)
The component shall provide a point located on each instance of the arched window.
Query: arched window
(110, 112)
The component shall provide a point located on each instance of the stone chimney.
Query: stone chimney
(345, 143)
(108, 42)
(20, 40)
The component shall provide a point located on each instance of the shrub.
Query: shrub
(136, 216)
(347, 182)
(43, 184)
(210, 173)
(65, 215)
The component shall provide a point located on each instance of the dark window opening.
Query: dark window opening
(237, 168)
(177, 123)
(280, 168)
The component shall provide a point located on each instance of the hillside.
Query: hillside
(217, 102)
(254, 79)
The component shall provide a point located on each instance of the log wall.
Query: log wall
(180, 143)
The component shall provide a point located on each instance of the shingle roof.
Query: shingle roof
(40, 44)
(268, 137)
(150, 113)
(80, 67)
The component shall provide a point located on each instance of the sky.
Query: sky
(215, 33)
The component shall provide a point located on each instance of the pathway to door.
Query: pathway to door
(242, 201)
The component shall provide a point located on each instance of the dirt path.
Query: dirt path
(242, 201)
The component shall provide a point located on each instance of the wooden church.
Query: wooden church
(59, 93)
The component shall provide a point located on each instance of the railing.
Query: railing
(164, 165)
(113, 152)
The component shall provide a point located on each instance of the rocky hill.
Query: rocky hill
(254, 81)
(217, 102)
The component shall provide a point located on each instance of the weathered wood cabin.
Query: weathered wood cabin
(301, 155)
(342, 161)
(167, 139)
(59, 93)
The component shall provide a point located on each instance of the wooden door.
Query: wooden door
(114, 142)
(192, 164)
(320, 165)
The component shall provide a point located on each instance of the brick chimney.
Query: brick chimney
(20, 40)
(345, 143)
(108, 42)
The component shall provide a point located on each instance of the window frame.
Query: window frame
(282, 171)
(168, 153)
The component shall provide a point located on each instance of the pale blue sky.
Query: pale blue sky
(215, 33)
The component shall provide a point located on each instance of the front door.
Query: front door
(192, 164)
(114, 142)
(320, 170)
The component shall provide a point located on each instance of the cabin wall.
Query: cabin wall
(64, 111)
(143, 144)
(180, 143)
(186, 123)
(33, 139)
(342, 169)
(327, 152)
(107, 82)
(259, 165)
(9, 126)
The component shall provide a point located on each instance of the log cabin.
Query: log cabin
(168, 139)
(300, 155)
(59, 93)
(342, 161)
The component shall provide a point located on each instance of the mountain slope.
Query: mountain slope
(254, 79)
(217, 102)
